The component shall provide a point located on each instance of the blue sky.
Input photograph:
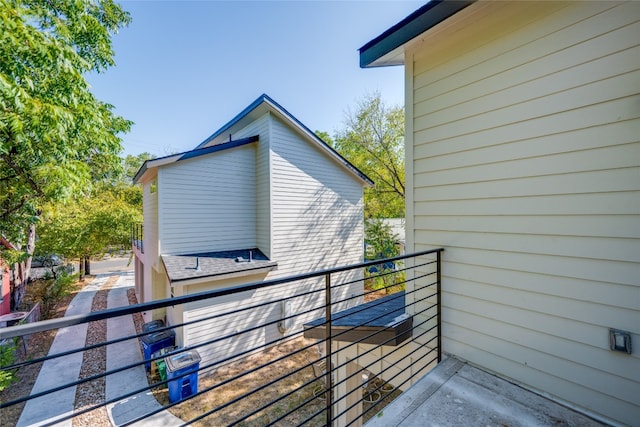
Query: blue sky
(185, 68)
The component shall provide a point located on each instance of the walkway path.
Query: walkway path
(125, 353)
(63, 370)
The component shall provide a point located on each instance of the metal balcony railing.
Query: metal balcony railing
(376, 343)
(137, 236)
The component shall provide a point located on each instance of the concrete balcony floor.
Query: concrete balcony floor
(458, 394)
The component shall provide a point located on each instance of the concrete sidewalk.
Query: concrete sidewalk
(47, 409)
(124, 382)
(62, 370)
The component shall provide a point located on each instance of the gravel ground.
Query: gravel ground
(94, 361)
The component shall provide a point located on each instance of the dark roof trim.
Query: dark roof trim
(214, 148)
(236, 119)
(266, 98)
(428, 16)
(194, 153)
(264, 267)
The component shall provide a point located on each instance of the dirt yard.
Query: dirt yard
(37, 345)
(220, 393)
(310, 413)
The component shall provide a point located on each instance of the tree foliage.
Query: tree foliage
(325, 137)
(381, 242)
(373, 140)
(133, 163)
(87, 227)
(56, 138)
(380, 239)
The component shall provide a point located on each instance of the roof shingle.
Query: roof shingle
(213, 264)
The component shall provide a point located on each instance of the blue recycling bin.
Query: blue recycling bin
(156, 341)
(154, 324)
(182, 373)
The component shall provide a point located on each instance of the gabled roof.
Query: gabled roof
(220, 139)
(387, 48)
(264, 104)
(160, 161)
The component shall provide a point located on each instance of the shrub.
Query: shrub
(381, 243)
(51, 290)
(7, 357)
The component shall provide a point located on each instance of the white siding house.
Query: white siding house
(262, 187)
(523, 162)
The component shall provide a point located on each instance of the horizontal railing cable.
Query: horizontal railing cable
(228, 380)
(418, 348)
(289, 374)
(355, 310)
(133, 365)
(161, 383)
(253, 370)
(397, 348)
(46, 325)
(208, 413)
(373, 349)
(391, 352)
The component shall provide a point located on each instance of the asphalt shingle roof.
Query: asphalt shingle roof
(211, 264)
(380, 313)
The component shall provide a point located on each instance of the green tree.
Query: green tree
(373, 140)
(325, 137)
(380, 239)
(56, 138)
(88, 227)
(381, 242)
(133, 163)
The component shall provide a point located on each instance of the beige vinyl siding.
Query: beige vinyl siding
(317, 220)
(208, 203)
(150, 236)
(317, 207)
(262, 181)
(526, 168)
(224, 316)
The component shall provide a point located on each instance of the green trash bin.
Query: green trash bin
(162, 369)
(160, 363)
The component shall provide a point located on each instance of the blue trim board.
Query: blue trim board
(266, 98)
(220, 147)
(426, 17)
(198, 152)
(235, 120)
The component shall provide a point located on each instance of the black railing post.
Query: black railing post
(439, 303)
(413, 353)
(328, 350)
